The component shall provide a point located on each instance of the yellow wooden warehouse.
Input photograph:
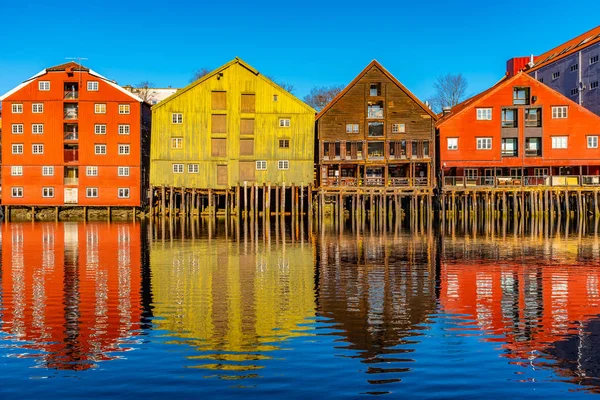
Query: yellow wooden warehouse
(232, 129)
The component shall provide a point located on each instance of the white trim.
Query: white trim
(22, 85)
(111, 83)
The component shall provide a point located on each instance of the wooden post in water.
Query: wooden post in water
(163, 200)
(170, 201)
(277, 198)
(283, 199)
(268, 209)
(245, 199)
(210, 205)
(302, 200)
(264, 201)
(182, 207)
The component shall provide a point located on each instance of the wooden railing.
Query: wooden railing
(527, 181)
(375, 182)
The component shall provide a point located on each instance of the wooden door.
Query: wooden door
(222, 176)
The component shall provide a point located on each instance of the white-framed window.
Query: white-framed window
(177, 118)
(37, 129)
(123, 171)
(124, 129)
(283, 164)
(44, 86)
(178, 168)
(17, 108)
(37, 148)
(452, 143)
(100, 108)
(555, 75)
(398, 128)
(92, 86)
(284, 122)
(17, 129)
(193, 168)
(574, 91)
(559, 142)
(123, 193)
(91, 192)
(261, 165)
(47, 191)
(17, 148)
(484, 143)
(48, 170)
(559, 112)
(100, 149)
(592, 142)
(37, 108)
(100, 129)
(484, 114)
(574, 67)
(124, 108)
(91, 171)
(593, 85)
(16, 170)
(123, 149)
(593, 60)
(17, 191)
(351, 128)
(177, 143)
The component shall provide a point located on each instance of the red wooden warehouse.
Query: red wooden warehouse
(73, 137)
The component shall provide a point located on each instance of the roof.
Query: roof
(372, 64)
(584, 40)
(73, 66)
(206, 77)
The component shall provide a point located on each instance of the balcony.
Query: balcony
(70, 132)
(71, 136)
(71, 95)
(70, 111)
(71, 181)
(71, 154)
(71, 90)
(71, 176)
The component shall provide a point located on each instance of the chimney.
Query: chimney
(446, 110)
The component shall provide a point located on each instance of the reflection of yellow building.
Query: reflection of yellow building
(224, 297)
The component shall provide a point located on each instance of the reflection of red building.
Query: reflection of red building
(71, 291)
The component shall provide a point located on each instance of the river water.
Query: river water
(203, 310)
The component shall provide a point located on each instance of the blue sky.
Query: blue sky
(303, 43)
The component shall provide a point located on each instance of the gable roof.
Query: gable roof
(577, 43)
(372, 64)
(223, 67)
(71, 65)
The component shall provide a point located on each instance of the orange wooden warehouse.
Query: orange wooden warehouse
(73, 137)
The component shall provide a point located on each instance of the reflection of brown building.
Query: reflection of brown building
(71, 291)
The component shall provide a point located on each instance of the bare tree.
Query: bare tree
(320, 96)
(145, 90)
(450, 90)
(284, 85)
(200, 73)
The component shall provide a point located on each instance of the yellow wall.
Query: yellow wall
(195, 102)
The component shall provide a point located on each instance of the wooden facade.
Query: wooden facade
(74, 138)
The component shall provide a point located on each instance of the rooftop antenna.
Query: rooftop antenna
(80, 67)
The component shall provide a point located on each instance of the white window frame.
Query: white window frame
(44, 86)
(285, 122)
(17, 108)
(452, 143)
(261, 165)
(177, 118)
(560, 142)
(123, 193)
(93, 86)
(100, 108)
(283, 165)
(193, 168)
(594, 59)
(17, 148)
(592, 141)
(47, 170)
(91, 170)
(37, 148)
(560, 112)
(124, 129)
(37, 108)
(398, 128)
(17, 129)
(124, 149)
(484, 114)
(37, 129)
(100, 129)
(177, 143)
(484, 143)
(17, 191)
(177, 168)
(16, 170)
(555, 75)
(352, 128)
(91, 192)
(48, 191)
(123, 171)
(100, 149)
(124, 109)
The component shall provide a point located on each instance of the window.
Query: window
(48, 171)
(219, 123)
(124, 108)
(484, 143)
(351, 128)
(471, 173)
(92, 86)
(593, 60)
(261, 165)
(452, 143)
(375, 129)
(559, 142)
(37, 148)
(574, 67)
(17, 148)
(124, 149)
(484, 114)
(540, 172)
(37, 108)
(559, 112)
(247, 147)
(375, 89)
(248, 103)
(275, 97)
(124, 129)
(593, 85)
(219, 100)
(398, 128)
(177, 118)
(17, 108)
(177, 143)
(17, 128)
(284, 143)
(16, 170)
(91, 171)
(123, 171)
(592, 142)
(17, 192)
(284, 122)
(100, 149)
(91, 192)
(533, 147)
(123, 193)
(44, 86)
(193, 168)
(555, 75)
(509, 118)
(47, 192)
(375, 150)
(218, 147)
(100, 129)
(178, 168)
(283, 164)
(509, 147)
(574, 91)
(533, 117)
(247, 126)
(100, 108)
(541, 80)
(521, 95)
(375, 110)
(37, 129)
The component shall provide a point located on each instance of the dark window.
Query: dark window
(574, 67)
(284, 143)
(375, 89)
(556, 75)
(533, 147)
(509, 147)
(376, 150)
(533, 117)
(509, 118)
(593, 60)
(375, 109)
(521, 96)
(375, 129)
(593, 85)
